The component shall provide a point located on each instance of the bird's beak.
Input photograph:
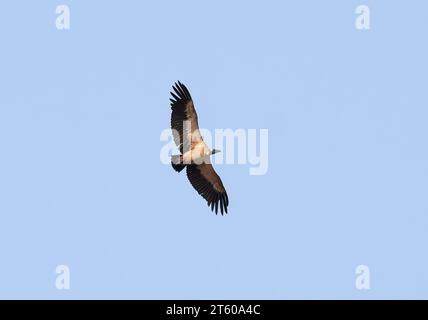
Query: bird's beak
(216, 151)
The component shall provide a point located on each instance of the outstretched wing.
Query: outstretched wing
(208, 184)
(184, 120)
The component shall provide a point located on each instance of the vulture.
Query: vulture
(194, 153)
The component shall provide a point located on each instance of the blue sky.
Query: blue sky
(81, 183)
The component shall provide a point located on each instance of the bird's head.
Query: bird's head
(214, 151)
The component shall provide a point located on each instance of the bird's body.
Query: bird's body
(197, 153)
(194, 152)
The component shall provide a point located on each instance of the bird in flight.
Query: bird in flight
(194, 153)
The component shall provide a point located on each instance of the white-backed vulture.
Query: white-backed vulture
(194, 153)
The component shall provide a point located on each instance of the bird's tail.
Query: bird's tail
(177, 163)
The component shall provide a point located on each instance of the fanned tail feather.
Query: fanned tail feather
(176, 163)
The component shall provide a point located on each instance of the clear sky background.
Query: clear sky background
(81, 183)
